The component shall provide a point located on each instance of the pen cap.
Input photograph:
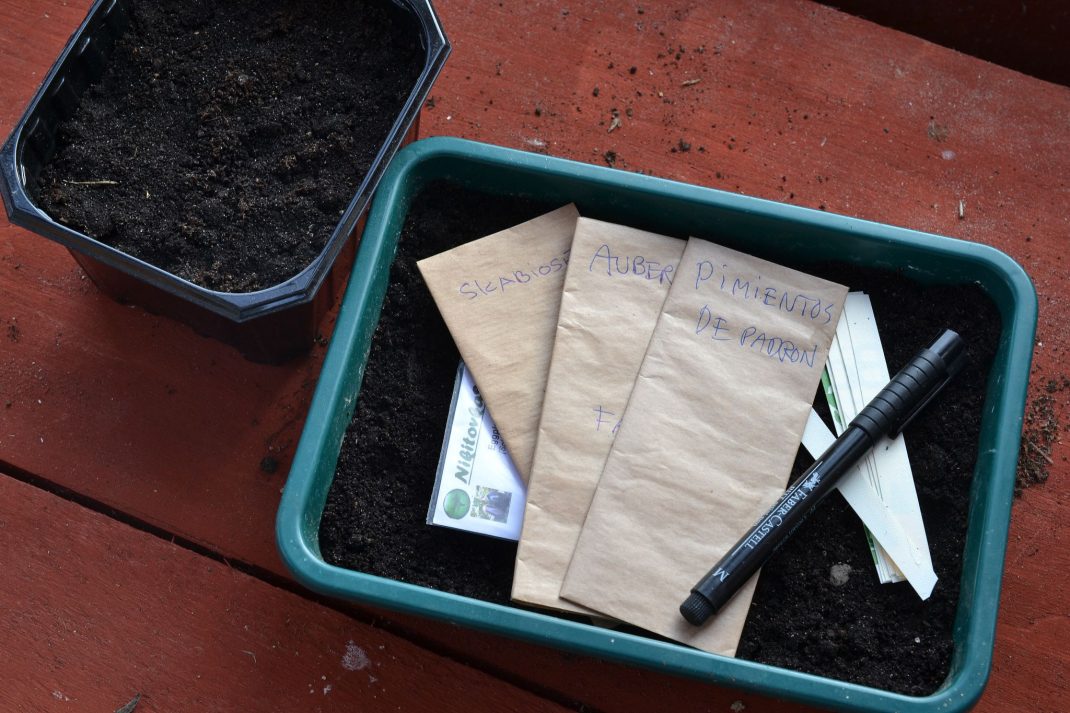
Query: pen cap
(913, 387)
(950, 347)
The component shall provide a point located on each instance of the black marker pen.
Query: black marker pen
(894, 407)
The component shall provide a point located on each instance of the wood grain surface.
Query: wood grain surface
(789, 101)
(96, 613)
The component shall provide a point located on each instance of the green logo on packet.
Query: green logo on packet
(456, 503)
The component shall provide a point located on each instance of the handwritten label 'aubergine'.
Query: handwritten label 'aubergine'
(605, 262)
(514, 278)
(753, 289)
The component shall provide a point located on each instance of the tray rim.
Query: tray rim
(302, 501)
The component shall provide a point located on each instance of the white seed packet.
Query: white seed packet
(857, 372)
(477, 487)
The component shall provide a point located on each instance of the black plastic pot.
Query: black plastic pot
(270, 325)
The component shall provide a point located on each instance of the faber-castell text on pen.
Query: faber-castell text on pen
(888, 413)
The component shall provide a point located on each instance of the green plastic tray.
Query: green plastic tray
(768, 229)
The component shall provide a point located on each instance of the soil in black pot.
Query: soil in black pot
(803, 617)
(225, 139)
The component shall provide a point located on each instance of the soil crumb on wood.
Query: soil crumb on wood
(1041, 432)
(224, 140)
(818, 607)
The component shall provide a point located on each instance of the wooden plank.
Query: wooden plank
(1031, 659)
(48, 25)
(1027, 38)
(139, 412)
(96, 612)
(792, 104)
(125, 407)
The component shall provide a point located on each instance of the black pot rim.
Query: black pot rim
(236, 306)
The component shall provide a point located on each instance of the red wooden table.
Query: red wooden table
(137, 527)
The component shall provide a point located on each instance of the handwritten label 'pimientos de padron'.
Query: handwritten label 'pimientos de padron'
(498, 284)
(750, 336)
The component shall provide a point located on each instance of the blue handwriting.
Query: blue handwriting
(603, 417)
(752, 289)
(751, 337)
(635, 265)
(472, 289)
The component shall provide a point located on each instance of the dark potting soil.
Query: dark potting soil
(225, 139)
(859, 630)
(377, 506)
(883, 635)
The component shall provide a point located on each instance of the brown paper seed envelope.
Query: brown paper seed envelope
(499, 297)
(616, 282)
(708, 439)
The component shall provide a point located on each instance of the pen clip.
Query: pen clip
(954, 367)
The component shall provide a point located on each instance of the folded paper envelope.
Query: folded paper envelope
(499, 297)
(616, 282)
(707, 441)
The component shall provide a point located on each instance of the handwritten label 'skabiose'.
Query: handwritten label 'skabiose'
(499, 297)
(514, 279)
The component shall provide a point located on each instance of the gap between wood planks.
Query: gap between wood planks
(356, 612)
